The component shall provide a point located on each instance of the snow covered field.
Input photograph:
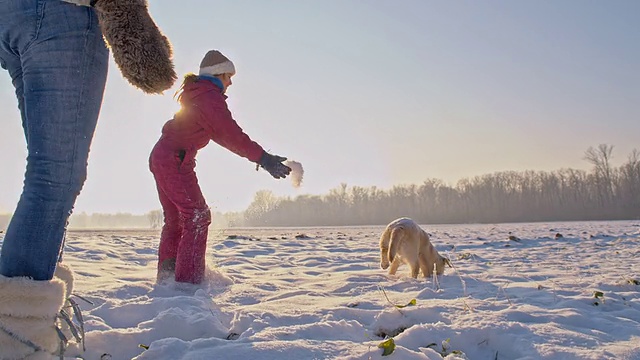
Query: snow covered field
(552, 291)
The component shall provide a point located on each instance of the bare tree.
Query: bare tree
(600, 158)
(629, 183)
(156, 219)
(264, 202)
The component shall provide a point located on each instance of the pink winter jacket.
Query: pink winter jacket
(204, 116)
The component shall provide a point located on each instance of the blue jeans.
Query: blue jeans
(57, 61)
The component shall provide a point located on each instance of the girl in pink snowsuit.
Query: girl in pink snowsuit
(203, 116)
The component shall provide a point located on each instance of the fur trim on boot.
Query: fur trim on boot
(65, 273)
(28, 311)
(143, 54)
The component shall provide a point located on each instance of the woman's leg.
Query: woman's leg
(59, 74)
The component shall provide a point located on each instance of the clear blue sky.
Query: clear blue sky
(373, 93)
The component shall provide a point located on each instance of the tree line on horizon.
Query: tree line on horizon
(603, 193)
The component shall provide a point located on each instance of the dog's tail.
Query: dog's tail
(397, 234)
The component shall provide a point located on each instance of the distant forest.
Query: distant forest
(603, 193)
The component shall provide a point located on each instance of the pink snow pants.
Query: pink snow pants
(183, 240)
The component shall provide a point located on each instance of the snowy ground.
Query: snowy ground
(318, 293)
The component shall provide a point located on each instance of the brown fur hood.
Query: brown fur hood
(143, 54)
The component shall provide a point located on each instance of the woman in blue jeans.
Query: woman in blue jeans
(57, 59)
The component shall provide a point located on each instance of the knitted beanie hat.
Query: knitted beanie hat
(214, 63)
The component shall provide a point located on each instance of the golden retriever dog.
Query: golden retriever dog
(404, 241)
